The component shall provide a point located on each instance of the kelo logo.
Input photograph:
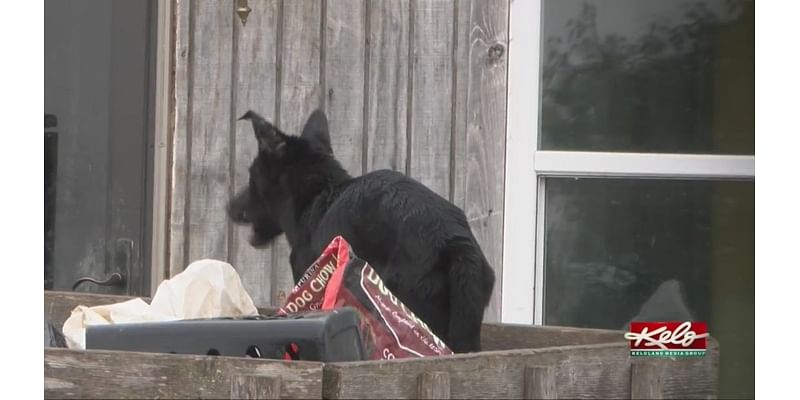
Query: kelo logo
(668, 339)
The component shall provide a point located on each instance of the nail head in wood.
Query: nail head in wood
(255, 387)
(540, 383)
(433, 385)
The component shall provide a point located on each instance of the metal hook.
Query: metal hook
(243, 10)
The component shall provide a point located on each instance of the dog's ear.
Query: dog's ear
(268, 136)
(316, 130)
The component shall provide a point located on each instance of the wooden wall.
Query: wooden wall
(417, 86)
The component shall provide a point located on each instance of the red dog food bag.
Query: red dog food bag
(340, 279)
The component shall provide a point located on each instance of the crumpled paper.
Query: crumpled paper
(205, 289)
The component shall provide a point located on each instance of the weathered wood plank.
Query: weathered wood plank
(180, 138)
(511, 336)
(540, 383)
(673, 377)
(480, 145)
(300, 67)
(433, 385)
(431, 94)
(489, 232)
(387, 91)
(299, 94)
(599, 371)
(255, 387)
(115, 374)
(344, 75)
(647, 380)
(281, 279)
(461, 87)
(209, 176)
(255, 89)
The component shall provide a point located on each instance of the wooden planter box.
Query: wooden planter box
(531, 362)
(117, 374)
(518, 362)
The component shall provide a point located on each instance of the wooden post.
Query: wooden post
(540, 383)
(433, 385)
(255, 387)
(647, 381)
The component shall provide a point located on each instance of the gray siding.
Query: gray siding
(418, 86)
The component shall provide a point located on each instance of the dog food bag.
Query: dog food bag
(340, 279)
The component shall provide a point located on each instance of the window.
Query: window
(630, 161)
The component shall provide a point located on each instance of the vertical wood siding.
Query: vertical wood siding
(417, 86)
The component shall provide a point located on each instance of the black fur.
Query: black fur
(419, 243)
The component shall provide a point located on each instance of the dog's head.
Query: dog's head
(283, 176)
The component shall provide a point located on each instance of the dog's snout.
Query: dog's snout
(237, 213)
(237, 208)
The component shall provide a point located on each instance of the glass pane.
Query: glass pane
(648, 76)
(618, 250)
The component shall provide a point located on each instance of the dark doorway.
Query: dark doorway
(99, 85)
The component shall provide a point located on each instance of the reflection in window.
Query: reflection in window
(618, 250)
(648, 76)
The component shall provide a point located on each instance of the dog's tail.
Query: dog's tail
(471, 281)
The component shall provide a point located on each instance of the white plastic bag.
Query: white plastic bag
(206, 289)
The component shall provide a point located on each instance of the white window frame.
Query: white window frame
(527, 167)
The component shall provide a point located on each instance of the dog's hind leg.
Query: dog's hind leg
(471, 280)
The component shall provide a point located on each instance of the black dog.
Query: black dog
(419, 243)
